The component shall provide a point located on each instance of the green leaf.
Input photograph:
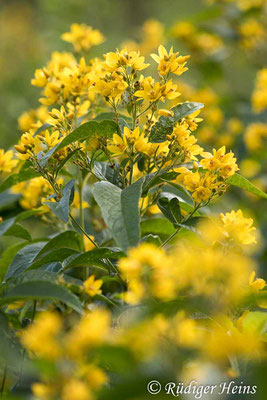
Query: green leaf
(9, 347)
(169, 205)
(157, 226)
(7, 200)
(67, 239)
(40, 285)
(83, 132)
(21, 176)
(153, 239)
(165, 125)
(69, 156)
(241, 182)
(152, 180)
(255, 322)
(95, 257)
(23, 259)
(18, 231)
(61, 208)
(57, 255)
(10, 227)
(7, 257)
(105, 172)
(120, 210)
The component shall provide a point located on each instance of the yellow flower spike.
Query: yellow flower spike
(7, 163)
(92, 286)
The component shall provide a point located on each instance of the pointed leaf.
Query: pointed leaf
(61, 208)
(241, 182)
(40, 285)
(21, 176)
(165, 125)
(120, 210)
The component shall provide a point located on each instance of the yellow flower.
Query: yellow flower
(76, 202)
(40, 77)
(111, 85)
(218, 161)
(26, 146)
(183, 29)
(256, 284)
(75, 389)
(255, 136)
(259, 96)
(152, 91)
(185, 141)
(83, 37)
(223, 343)
(50, 139)
(252, 33)
(165, 113)
(131, 141)
(31, 118)
(209, 43)
(249, 167)
(52, 94)
(123, 59)
(41, 337)
(92, 330)
(118, 145)
(238, 228)
(201, 194)
(7, 163)
(43, 391)
(170, 62)
(92, 286)
(95, 377)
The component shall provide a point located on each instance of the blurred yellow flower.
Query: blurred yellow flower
(7, 163)
(92, 286)
(83, 37)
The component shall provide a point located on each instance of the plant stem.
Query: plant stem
(3, 381)
(113, 268)
(170, 237)
(81, 199)
(83, 231)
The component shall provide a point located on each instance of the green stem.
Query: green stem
(3, 381)
(82, 230)
(107, 300)
(81, 199)
(113, 268)
(170, 237)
